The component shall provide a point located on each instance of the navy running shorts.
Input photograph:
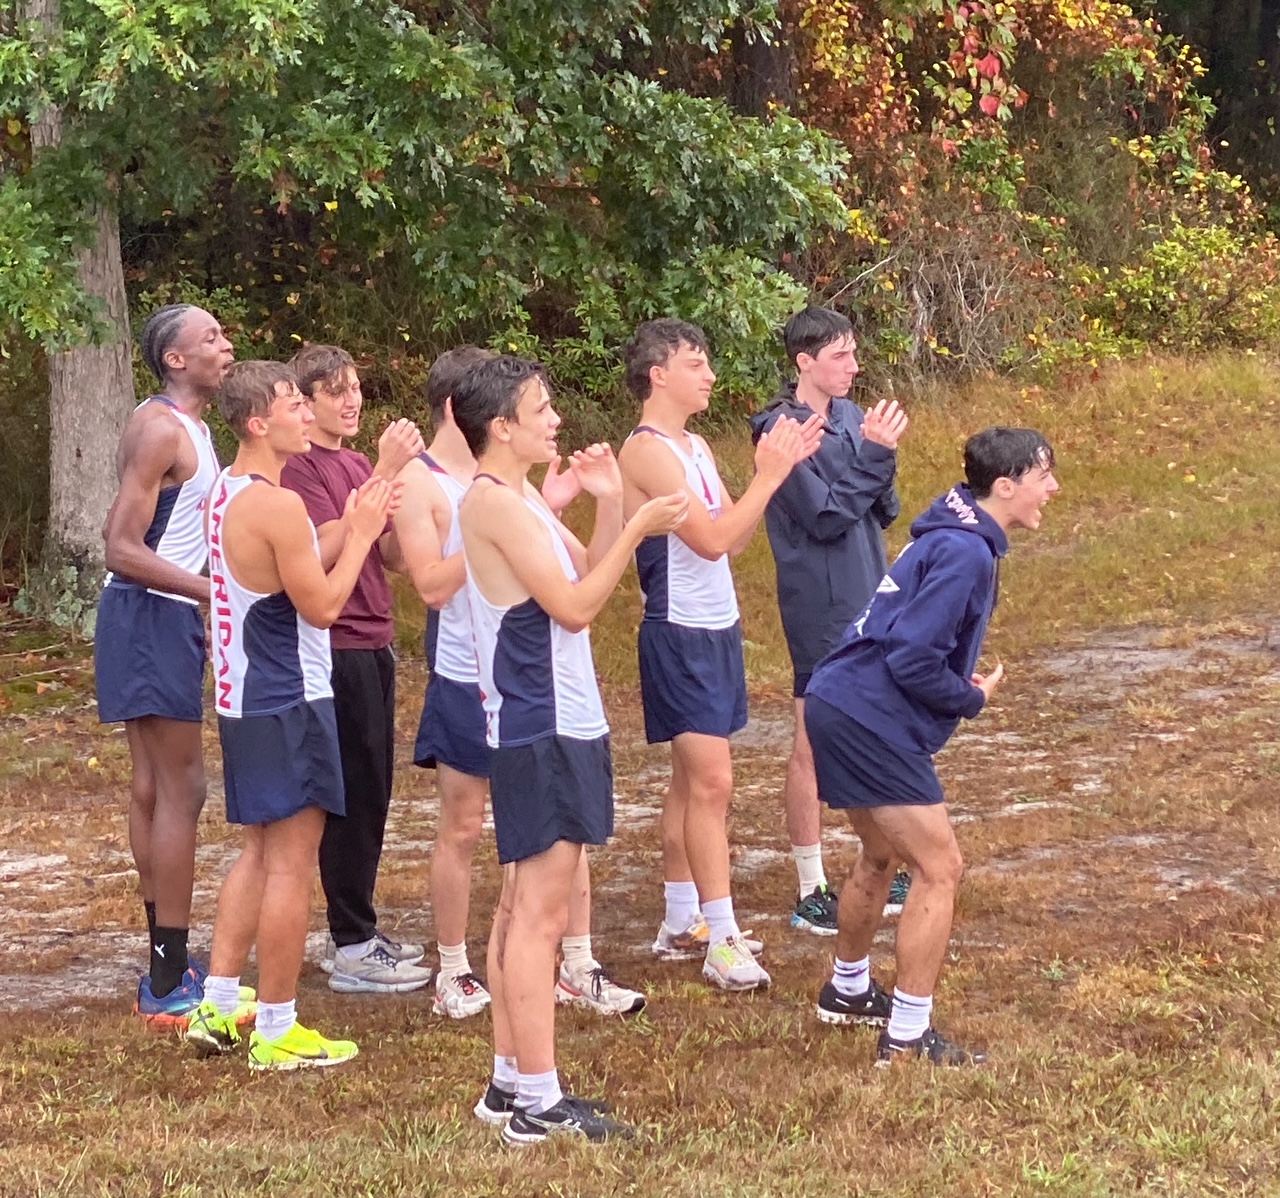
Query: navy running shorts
(554, 788)
(451, 731)
(691, 680)
(857, 768)
(800, 683)
(148, 656)
(278, 764)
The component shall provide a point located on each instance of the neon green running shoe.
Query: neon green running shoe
(298, 1048)
(212, 1034)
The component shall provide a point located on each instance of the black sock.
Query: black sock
(168, 959)
(150, 908)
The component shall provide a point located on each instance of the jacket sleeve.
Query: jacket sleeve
(924, 635)
(827, 510)
(887, 507)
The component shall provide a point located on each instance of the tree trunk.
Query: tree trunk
(762, 71)
(90, 387)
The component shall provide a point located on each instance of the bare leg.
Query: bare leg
(675, 861)
(708, 777)
(865, 889)
(923, 836)
(504, 1044)
(462, 799)
(142, 810)
(239, 908)
(579, 923)
(173, 749)
(538, 918)
(804, 818)
(291, 855)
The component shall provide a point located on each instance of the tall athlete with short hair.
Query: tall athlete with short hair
(889, 697)
(451, 735)
(272, 604)
(149, 646)
(360, 958)
(825, 526)
(692, 677)
(534, 591)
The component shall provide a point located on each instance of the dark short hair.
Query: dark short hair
(811, 331)
(653, 344)
(248, 389)
(447, 371)
(1002, 452)
(159, 334)
(491, 391)
(325, 365)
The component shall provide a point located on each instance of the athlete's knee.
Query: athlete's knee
(711, 787)
(944, 867)
(876, 859)
(459, 830)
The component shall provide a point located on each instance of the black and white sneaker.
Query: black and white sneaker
(570, 1114)
(496, 1107)
(872, 1007)
(932, 1046)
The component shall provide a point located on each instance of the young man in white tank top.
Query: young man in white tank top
(281, 760)
(692, 677)
(149, 646)
(451, 737)
(534, 590)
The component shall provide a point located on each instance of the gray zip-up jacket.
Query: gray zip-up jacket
(825, 527)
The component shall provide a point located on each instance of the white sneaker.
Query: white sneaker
(731, 966)
(597, 991)
(377, 972)
(460, 996)
(410, 954)
(693, 942)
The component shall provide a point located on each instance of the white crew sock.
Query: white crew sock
(577, 954)
(453, 959)
(224, 993)
(910, 1018)
(808, 859)
(354, 952)
(276, 1018)
(538, 1092)
(720, 921)
(505, 1074)
(682, 905)
(852, 978)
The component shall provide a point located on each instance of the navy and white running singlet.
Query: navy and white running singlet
(272, 690)
(536, 678)
(149, 645)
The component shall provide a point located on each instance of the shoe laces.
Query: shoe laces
(468, 983)
(386, 940)
(600, 981)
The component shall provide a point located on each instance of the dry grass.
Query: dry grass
(1116, 942)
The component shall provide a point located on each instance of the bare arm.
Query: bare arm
(320, 596)
(153, 455)
(435, 577)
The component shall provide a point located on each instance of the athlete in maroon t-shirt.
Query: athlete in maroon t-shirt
(360, 957)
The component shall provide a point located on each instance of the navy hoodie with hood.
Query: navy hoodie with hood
(824, 526)
(902, 669)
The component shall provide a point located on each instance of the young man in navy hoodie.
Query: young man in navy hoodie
(888, 698)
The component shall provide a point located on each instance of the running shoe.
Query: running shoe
(597, 991)
(897, 892)
(571, 1115)
(410, 954)
(298, 1048)
(460, 996)
(816, 912)
(931, 1046)
(247, 993)
(498, 1105)
(175, 1008)
(693, 942)
(377, 972)
(872, 1007)
(731, 966)
(212, 1034)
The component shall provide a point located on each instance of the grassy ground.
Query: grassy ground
(1115, 945)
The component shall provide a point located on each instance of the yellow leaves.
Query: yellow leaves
(331, 205)
(14, 126)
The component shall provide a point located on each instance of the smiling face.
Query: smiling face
(686, 379)
(532, 432)
(1024, 498)
(336, 403)
(832, 370)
